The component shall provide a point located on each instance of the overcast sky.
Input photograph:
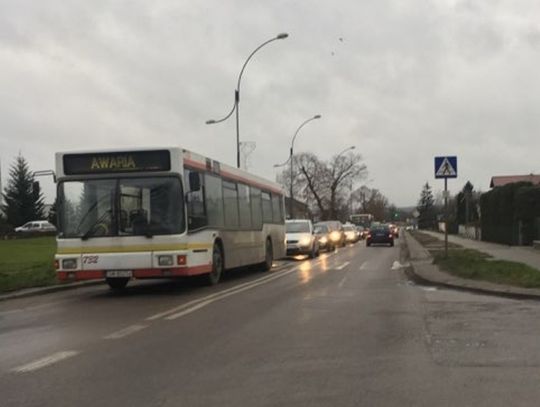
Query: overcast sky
(407, 81)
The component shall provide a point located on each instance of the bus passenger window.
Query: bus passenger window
(244, 207)
(213, 194)
(256, 209)
(276, 209)
(230, 199)
(195, 202)
(266, 208)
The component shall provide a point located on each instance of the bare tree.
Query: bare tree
(371, 201)
(324, 185)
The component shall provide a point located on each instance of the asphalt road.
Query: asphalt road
(347, 329)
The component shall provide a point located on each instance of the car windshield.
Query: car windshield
(321, 229)
(297, 227)
(348, 228)
(121, 207)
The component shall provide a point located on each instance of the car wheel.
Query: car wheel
(117, 284)
(313, 252)
(391, 244)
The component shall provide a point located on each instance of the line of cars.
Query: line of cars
(305, 238)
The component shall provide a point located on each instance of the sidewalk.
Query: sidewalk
(520, 254)
(422, 269)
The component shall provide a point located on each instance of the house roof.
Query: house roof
(501, 180)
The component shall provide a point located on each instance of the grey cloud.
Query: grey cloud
(409, 80)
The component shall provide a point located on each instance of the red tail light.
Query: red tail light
(390, 235)
(368, 236)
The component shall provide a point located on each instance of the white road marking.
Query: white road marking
(198, 300)
(343, 265)
(429, 288)
(210, 299)
(397, 265)
(342, 281)
(125, 332)
(46, 361)
(364, 265)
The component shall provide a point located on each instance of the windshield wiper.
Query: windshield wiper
(90, 230)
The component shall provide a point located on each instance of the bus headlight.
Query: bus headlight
(165, 260)
(69, 264)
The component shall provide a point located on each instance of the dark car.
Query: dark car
(380, 234)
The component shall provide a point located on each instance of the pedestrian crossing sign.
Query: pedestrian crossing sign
(446, 167)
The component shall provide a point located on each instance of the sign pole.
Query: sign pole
(446, 218)
(446, 167)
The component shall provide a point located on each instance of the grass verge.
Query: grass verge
(27, 263)
(468, 263)
(475, 265)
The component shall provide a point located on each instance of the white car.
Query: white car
(36, 226)
(301, 238)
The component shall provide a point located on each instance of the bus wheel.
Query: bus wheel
(117, 284)
(217, 266)
(268, 256)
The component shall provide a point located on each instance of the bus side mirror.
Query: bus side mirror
(194, 181)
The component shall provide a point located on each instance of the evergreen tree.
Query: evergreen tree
(23, 200)
(426, 208)
(467, 205)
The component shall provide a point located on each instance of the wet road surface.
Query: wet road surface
(346, 329)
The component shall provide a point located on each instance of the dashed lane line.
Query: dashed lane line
(125, 332)
(343, 265)
(46, 361)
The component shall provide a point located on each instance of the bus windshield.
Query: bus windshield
(121, 207)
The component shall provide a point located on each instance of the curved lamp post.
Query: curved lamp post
(318, 116)
(237, 96)
(344, 151)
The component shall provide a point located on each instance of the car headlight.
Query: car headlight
(335, 236)
(305, 241)
(323, 240)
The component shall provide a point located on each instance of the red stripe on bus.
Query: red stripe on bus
(234, 177)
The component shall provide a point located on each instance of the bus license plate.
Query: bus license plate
(118, 273)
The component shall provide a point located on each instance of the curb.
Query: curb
(30, 292)
(441, 279)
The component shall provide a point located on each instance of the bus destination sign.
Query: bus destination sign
(130, 161)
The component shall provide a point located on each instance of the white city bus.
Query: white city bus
(160, 213)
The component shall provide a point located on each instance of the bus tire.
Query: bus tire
(214, 276)
(117, 284)
(268, 256)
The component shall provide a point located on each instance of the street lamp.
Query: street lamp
(317, 116)
(281, 36)
(344, 151)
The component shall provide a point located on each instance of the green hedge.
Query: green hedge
(504, 209)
